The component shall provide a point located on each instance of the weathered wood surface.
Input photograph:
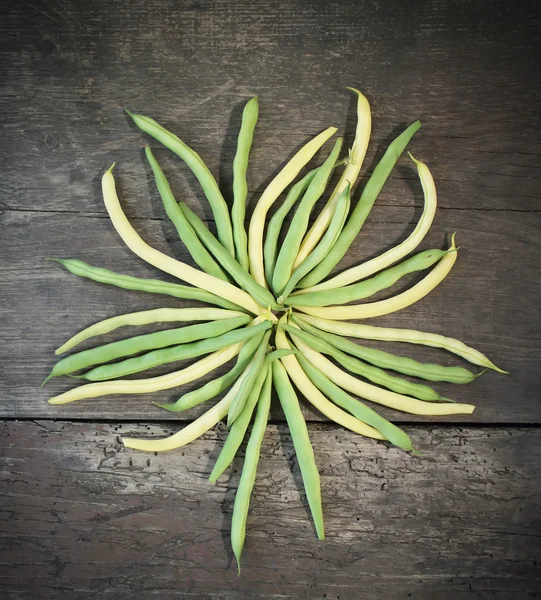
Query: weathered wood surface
(500, 324)
(69, 67)
(85, 518)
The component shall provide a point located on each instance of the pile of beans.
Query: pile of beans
(274, 309)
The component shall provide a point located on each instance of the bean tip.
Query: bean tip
(50, 376)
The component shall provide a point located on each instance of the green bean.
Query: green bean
(152, 286)
(134, 345)
(145, 317)
(376, 394)
(240, 399)
(240, 186)
(386, 360)
(238, 429)
(162, 261)
(192, 372)
(301, 441)
(194, 246)
(172, 354)
(275, 223)
(326, 243)
(299, 223)
(391, 432)
(369, 287)
(393, 255)
(242, 277)
(409, 336)
(247, 479)
(373, 374)
(269, 196)
(363, 207)
(200, 170)
(353, 164)
(218, 385)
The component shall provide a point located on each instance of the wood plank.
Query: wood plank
(84, 518)
(69, 69)
(489, 301)
(43, 305)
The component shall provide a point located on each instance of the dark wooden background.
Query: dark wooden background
(82, 517)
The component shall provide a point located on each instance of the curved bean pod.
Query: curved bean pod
(199, 169)
(218, 385)
(145, 317)
(152, 384)
(299, 223)
(240, 186)
(324, 246)
(390, 432)
(398, 302)
(242, 277)
(350, 174)
(196, 249)
(275, 223)
(191, 432)
(394, 254)
(247, 479)
(240, 399)
(363, 207)
(315, 397)
(382, 359)
(161, 261)
(373, 374)
(152, 286)
(369, 287)
(140, 343)
(378, 395)
(172, 354)
(269, 196)
(238, 429)
(301, 442)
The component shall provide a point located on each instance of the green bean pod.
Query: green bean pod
(373, 374)
(299, 224)
(238, 429)
(326, 243)
(140, 343)
(247, 479)
(391, 432)
(275, 223)
(152, 286)
(194, 246)
(240, 399)
(386, 360)
(199, 169)
(218, 385)
(369, 287)
(240, 186)
(362, 209)
(242, 277)
(172, 354)
(301, 441)
(146, 317)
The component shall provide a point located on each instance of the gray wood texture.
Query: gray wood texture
(83, 518)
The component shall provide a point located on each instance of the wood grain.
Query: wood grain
(84, 518)
(478, 303)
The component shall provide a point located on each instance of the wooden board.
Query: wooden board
(84, 518)
(500, 325)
